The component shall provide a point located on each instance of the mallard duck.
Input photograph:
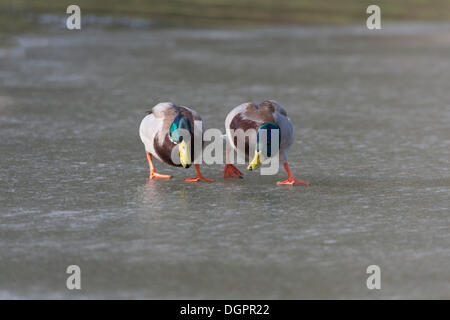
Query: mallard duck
(164, 128)
(268, 115)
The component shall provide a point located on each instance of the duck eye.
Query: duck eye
(175, 137)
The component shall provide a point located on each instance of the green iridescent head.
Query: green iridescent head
(181, 125)
(181, 122)
(265, 147)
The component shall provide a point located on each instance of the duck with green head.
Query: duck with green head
(267, 117)
(168, 134)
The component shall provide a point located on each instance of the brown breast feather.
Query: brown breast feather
(252, 118)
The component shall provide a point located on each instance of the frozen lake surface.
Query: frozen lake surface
(371, 111)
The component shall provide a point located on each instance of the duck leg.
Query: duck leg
(230, 171)
(199, 176)
(153, 174)
(290, 180)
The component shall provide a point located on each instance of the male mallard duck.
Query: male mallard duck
(165, 128)
(268, 115)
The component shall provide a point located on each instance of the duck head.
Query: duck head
(265, 147)
(180, 133)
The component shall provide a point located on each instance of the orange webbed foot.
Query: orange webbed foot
(292, 181)
(156, 175)
(197, 179)
(199, 176)
(153, 174)
(230, 171)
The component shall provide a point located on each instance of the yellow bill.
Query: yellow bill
(256, 162)
(185, 154)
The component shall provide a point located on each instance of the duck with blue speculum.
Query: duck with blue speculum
(168, 126)
(268, 115)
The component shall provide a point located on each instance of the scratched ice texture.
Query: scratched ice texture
(371, 111)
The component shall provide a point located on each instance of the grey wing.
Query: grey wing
(286, 131)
